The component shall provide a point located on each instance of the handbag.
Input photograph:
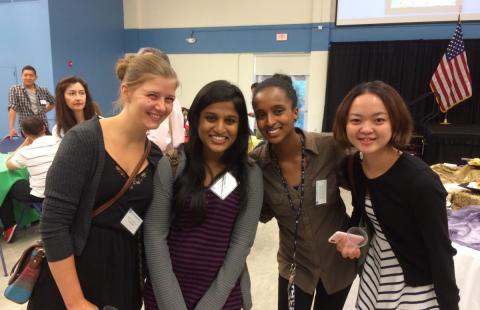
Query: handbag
(364, 222)
(25, 273)
(26, 270)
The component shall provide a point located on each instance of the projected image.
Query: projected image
(401, 4)
(355, 12)
(417, 6)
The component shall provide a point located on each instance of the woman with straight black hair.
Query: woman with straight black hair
(202, 221)
(73, 105)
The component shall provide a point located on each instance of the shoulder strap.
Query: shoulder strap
(127, 184)
(173, 158)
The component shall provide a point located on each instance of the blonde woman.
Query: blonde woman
(96, 262)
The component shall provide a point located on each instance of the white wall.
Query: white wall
(212, 13)
(195, 70)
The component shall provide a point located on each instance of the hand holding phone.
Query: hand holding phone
(351, 239)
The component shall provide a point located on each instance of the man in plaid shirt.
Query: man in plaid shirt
(28, 99)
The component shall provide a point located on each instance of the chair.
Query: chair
(37, 206)
(4, 265)
(9, 145)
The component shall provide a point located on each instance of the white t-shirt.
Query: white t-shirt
(37, 158)
(162, 137)
(54, 133)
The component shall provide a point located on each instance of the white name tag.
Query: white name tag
(320, 192)
(131, 221)
(43, 102)
(224, 186)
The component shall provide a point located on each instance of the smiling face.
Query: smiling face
(75, 97)
(368, 125)
(28, 78)
(151, 102)
(275, 114)
(218, 128)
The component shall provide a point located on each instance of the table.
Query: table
(7, 179)
(449, 143)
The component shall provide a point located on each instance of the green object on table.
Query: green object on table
(24, 215)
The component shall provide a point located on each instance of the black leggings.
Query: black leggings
(303, 301)
(21, 192)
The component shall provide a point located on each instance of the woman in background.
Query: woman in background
(73, 105)
(201, 226)
(410, 260)
(95, 261)
(300, 174)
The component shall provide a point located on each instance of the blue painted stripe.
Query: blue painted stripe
(301, 37)
(229, 39)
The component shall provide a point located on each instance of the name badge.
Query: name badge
(131, 221)
(320, 192)
(43, 102)
(224, 186)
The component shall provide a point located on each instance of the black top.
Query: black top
(409, 202)
(71, 187)
(138, 198)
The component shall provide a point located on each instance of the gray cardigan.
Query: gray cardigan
(157, 223)
(71, 187)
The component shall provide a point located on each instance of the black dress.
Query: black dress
(109, 266)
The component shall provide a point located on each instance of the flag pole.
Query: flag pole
(445, 120)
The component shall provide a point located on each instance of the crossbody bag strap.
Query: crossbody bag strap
(127, 184)
(172, 153)
(173, 159)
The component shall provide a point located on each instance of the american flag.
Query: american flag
(451, 83)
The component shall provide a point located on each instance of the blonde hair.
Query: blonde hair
(133, 70)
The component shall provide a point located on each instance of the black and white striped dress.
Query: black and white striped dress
(382, 284)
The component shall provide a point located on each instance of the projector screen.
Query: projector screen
(356, 12)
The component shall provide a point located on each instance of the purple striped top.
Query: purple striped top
(198, 251)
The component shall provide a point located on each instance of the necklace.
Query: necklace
(297, 212)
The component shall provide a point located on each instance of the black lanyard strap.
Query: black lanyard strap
(297, 213)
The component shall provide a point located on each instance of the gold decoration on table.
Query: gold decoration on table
(464, 198)
(459, 174)
(456, 174)
(474, 162)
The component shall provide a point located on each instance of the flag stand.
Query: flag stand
(445, 121)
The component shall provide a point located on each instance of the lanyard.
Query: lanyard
(297, 212)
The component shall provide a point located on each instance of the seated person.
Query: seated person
(36, 154)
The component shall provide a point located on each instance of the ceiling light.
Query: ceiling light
(191, 39)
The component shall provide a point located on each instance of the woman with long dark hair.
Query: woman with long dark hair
(202, 221)
(73, 105)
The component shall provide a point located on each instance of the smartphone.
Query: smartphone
(339, 235)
